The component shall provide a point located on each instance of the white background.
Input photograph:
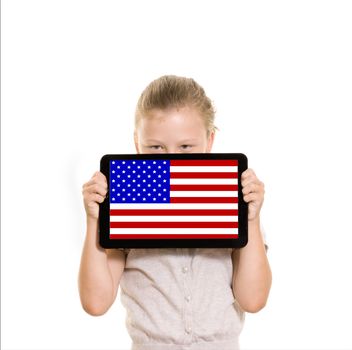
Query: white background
(279, 73)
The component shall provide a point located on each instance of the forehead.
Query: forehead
(185, 121)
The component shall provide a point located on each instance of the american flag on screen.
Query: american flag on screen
(163, 199)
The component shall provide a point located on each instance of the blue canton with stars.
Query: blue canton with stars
(139, 181)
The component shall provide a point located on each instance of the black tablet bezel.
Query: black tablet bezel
(104, 208)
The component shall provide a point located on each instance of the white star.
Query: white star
(113, 180)
(154, 199)
(123, 162)
(154, 162)
(154, 180)
(133, 162)
(113, 199)
(113, 162)
(113, 171)
(113, 190)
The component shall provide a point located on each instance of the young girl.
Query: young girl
(187, 298)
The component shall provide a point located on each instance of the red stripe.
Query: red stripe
(215, 162)
(203, 187)
(174, 212)
(174, 224)
(200, 175)
(173, 236)
(204, 200)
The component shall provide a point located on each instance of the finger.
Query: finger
(248, 177)
(96, 180)
(252, 187)
(94, 197)
(96, 188)
(250, 180)
(251, 197)
(248, 173)
(100, 175)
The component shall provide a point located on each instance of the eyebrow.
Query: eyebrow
(152, 141)
(158, 141)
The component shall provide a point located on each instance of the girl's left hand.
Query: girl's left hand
(253, 193)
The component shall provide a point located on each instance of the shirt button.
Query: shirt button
(188, 329)
(184, 269)
(188, 297)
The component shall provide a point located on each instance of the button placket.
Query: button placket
(187, 280)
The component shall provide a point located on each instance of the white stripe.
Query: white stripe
(203, 169)
(203, 193)
(204, 181)
(201, 231)
(161, 218)
(175, 206)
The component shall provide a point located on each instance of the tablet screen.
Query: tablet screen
(173, 200)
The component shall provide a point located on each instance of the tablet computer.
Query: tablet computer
(170, 200)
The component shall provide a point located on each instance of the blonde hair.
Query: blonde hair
(171, 91)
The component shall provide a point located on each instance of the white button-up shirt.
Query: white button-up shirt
(181, 299)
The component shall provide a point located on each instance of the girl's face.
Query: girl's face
(173, 130)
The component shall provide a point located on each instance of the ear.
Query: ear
(136, 142)
(210, 141)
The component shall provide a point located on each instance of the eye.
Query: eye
(155, 147)
(186, 147)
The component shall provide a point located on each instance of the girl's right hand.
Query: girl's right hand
(94, 192)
